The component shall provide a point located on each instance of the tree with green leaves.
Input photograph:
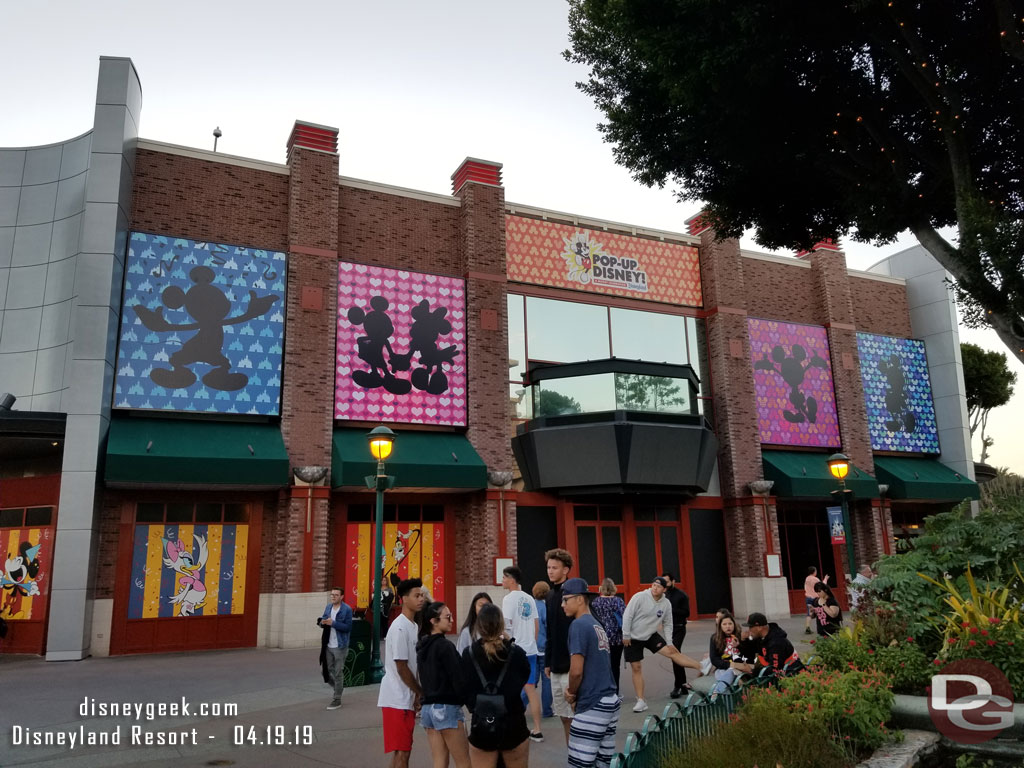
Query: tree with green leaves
(989, 384)
(551, 402)
(637, 392)
(810, 120)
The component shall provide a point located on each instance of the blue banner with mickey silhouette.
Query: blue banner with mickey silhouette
(202, 327)
(898, 394)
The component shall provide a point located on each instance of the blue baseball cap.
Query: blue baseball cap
(575, 586)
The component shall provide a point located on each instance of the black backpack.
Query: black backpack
(488, 724)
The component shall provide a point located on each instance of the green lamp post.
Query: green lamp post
(839, 466)
(381, 441)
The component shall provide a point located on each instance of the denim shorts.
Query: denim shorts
(441, 717)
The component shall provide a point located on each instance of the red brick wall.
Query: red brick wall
(107, 542)
(398, 232)
(880, 307)
(203, 200)
(777, 291)
(476, 539)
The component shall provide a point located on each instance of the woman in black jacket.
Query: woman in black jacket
(826, 610)
(441, 678)
(494, 653)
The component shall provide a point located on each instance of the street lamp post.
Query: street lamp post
(839, 466)
(381, 441)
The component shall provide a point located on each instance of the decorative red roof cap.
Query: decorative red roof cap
(697, 223)
(313, 136)
(480, 171)
(825, 244)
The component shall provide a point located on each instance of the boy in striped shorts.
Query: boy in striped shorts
(591, 689)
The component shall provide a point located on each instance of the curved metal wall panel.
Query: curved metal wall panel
(42, 201)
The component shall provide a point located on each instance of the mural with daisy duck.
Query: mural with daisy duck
(401, 346)
(188, 570)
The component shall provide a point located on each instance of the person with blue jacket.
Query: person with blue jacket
(337, 625)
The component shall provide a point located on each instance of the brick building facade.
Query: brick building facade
(223, 511)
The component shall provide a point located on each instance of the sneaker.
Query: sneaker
(676, 693)
(640, 706)
(335, 704)
(538, 736)
(807, 630)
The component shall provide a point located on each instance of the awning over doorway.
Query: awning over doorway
(798, 474)
(187, 453)
(419, 460)
(917, 478)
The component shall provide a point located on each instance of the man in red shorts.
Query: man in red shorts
(399, 697)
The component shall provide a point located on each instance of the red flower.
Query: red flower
(991, 642)
(972, 643)
(937, 662)
(974, 630)
(1009, 642)
(993, 620)
(984, 632)
(965, 625)
(812, 642)
(910, 639)
(870, 652)
(951, 640)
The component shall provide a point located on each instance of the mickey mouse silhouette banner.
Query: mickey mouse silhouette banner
(898, 394)
(401, 354)
(202, 327)
(796, 401)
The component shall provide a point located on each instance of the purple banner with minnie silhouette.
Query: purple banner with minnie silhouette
(401, 354)
(796, 401)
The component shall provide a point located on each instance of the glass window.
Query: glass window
(611, 513)
(236, 513)
(566, 332)
(433, 513)
(669, 549)
(11, 518)
(516, 338)
(208, 513)
(586, 540)
(648, 336)
(584, 512)
(38, 516)
(647, 553)
(149, 513)
(654, 394)
(696, 335)
(611, 544)
(408, 513)
(579, 394)
(360, 513)
(520, 400)
(179, 513)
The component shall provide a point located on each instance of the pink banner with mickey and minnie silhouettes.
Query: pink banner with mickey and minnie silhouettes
(401, 347)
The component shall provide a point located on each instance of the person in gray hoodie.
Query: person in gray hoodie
(646, 624)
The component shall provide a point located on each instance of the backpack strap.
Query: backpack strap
(480, 673)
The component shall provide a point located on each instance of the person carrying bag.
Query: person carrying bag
(496, 669)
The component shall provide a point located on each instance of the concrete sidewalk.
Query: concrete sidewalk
(270, 688)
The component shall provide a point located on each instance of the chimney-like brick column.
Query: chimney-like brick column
(308, 383)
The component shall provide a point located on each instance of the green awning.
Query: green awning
(916, 478)
(806, 475)
(182, 452)
(418, 460)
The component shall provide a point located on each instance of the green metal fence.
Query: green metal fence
(668, 734)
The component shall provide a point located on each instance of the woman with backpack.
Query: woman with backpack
(495, 671)
(440, 672)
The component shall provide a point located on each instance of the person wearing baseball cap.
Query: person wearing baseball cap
(645, 624)
(768, 644)
(591, 688)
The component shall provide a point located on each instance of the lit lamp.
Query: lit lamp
(839, 466)
(381, 440)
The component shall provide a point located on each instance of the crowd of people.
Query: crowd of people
(554, 652)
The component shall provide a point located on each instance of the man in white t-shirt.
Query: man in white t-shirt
(522, 625)
(399, 697)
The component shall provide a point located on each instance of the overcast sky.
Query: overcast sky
(413, 86)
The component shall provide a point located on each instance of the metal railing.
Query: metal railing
(664, 736)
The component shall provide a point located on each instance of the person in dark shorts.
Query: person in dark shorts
(646, 624)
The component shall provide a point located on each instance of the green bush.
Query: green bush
(766, 733)
(951, 542)
(904, 664)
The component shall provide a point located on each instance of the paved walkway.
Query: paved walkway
(271, 688)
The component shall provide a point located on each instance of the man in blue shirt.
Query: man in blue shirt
(337, 625)
(591, 688)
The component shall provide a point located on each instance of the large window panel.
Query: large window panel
(516, 338)
(566, 332)
(696, 334)
(648, 336)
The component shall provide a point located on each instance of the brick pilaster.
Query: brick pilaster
(308, 383)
